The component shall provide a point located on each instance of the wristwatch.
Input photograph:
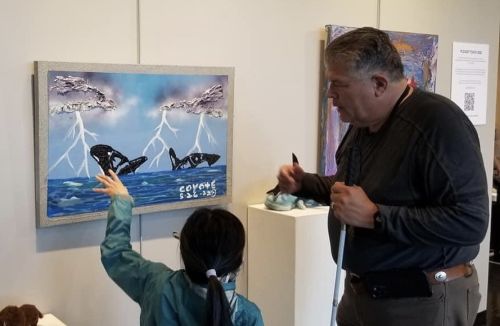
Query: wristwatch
(377, 220)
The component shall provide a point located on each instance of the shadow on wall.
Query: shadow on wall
(78, 235)
(91, 233)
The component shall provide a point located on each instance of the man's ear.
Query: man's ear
(379, 83)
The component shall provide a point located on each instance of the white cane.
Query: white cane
(340, 258)
(352, 175)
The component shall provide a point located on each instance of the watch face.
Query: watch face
(377, 220)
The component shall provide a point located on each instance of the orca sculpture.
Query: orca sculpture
(278, 201)
(192, 160)
(106, 156)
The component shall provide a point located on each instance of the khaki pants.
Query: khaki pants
(454, 303)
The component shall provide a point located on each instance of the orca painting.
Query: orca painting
(165, 130)
(132, 165)
(106, 155)
(192, 160)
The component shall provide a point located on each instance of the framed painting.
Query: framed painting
(165, 130)
(419, 56)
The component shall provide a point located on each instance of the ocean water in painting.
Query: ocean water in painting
(74, 196)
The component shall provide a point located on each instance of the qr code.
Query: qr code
(469, 101)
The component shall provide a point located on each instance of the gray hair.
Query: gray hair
(365, 50)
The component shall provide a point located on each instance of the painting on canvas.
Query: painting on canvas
(165, 130)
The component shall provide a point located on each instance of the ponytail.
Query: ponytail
(218, 309)
(211, 243)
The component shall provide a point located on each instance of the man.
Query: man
(419, 209)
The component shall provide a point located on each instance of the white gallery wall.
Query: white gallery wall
(274, 45)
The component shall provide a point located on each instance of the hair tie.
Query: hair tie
(211, 272)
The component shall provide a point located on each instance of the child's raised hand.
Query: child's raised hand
(112, 185)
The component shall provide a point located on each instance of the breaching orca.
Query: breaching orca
(132, 165)
(106, 155)
(192, 160)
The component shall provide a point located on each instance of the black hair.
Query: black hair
(213, 239)
(364, 50)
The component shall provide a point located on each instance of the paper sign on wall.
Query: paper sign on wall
(469, 80)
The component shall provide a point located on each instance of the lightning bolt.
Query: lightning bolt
(77, 132)
(157, 138)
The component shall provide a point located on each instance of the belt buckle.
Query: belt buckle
(441, 276)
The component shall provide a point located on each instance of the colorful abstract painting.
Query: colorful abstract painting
(166, 131)
(419, 56)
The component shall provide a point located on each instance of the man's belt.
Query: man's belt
(406, 283)
(449, 274)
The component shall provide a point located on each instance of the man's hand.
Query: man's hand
(290, 178)
(352, 206)
(112, 185)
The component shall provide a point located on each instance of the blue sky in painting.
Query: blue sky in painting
(131, 126)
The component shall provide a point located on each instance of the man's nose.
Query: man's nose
(334, 96)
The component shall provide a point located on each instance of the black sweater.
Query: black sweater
(424, 170)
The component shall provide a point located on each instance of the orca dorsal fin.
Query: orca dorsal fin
(173, 159)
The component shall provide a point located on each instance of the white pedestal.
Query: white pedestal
(291, 272)
(50, 320)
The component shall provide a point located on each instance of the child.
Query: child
(211, 244)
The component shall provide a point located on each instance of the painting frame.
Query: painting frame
(214, 105)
